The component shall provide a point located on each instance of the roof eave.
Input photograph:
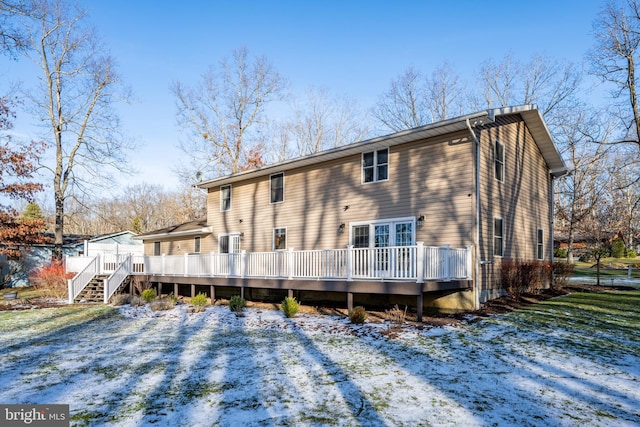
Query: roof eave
(204, 230)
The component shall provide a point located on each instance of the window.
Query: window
(498, 159)
(375, 166)
(279, 239)
(196, 244)
(361, 236)
(156, 248)
(540, 244)
(498, 240)
(225, 198)
(229, 243)
(277, 188)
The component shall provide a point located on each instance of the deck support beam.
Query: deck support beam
(175, 290)
(290, 293)
(349, 301)
(159, 289)
(212, 294)
(193, 290)
(419, 304)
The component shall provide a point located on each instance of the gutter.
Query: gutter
(205, 230)
(476, 281)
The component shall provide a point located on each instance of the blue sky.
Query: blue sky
(350, 47)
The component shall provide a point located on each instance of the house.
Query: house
(423, 216)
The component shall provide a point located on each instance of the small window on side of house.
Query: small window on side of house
(279, 239)
(498, 237)
(540, 244)
(225, 198)
(156, 248)
(196, 244)
(277, 188)
(375, 166)
(498, 160)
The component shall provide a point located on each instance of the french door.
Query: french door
(387, 238)
(229, 244)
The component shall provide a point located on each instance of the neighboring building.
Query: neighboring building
(482, 181)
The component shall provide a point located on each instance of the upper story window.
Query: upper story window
(375, 166)
(277, 188)
(498, 160)
(196, 244)
(540, 244)
(225, 198)
(498, 237)
(156, 248)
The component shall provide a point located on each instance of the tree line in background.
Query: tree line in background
(228, 128)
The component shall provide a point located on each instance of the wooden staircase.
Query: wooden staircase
(93, 292)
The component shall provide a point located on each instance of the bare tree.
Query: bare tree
(549, 83)
(79, 85)
(13, 37)
(321, 121)
(613, 58)
(624, 173)
(405, 104)
(224, 111)
(444, 92)
(584, 190)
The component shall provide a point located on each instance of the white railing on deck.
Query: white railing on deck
(406, 263)
(112, 283)
(417, 263)
(82, 279)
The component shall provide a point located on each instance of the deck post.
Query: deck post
(163, 264)
(242, 292)
(447, 263)
(186, 265)
(420, 262)
(350, 263)
(159, 289)
(290, 264)
(175, 290)
(419, 308)
(290, 293)
(349, 301)
(193, 290)
(212, 293)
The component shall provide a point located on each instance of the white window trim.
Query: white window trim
(539, 243)
(373, 223)
(270, 176)
(493, 237)
(230, 197)
(495, 160)
(273, 238)
(375, 166)
(229, 235)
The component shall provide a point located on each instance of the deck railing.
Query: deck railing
(111, 284)
(417, 263)
(83, 277)
(405, 263)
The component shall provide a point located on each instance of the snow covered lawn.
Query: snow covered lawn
(572, 361)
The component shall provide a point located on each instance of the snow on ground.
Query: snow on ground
(132, 367)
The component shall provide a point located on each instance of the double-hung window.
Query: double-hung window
(375, 166)
(156, 248)
(196, 244)
(540, 244)
(277, 188)
(225, 198)
(498, 237)
(498, 160)
(279, 239)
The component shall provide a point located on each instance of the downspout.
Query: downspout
(476, 273)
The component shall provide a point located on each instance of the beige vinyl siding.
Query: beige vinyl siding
(181, 245)
(523, 200)
(433, 178)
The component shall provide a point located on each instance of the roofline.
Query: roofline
(204, 230)
(410, 135)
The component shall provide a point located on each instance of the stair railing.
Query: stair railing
(113, 282)
(82, 279)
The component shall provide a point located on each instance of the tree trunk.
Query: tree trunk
(56, 256)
